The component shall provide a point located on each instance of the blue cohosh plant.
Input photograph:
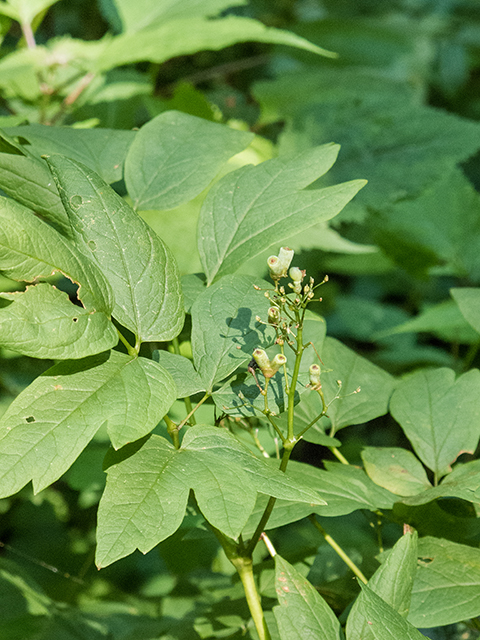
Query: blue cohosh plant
(192, 430)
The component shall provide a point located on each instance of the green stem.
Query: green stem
(244, 567)
(187, 401)
(268, 413)
(243, 563)
(287, 451)
(293, 384)
(338, 455)
(172, 431)
(338, 549)
(131, 351)
(199, 404)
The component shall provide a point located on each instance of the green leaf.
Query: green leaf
(447, 583)
(303, 614)
(439, 415)
(146, 494)
(253, 207)
(441, 226)
(138, 265)
(162, 170)
(468, 301)
(384, 623)
(103, 150)
(393, 581)
(184, 36)
(31, 249)
(463, 482)
(345, 489)
(224, 329)
(187, 380)
(241, 396)
(24, 11)
(42, 322)
(49, 424)
(145, 13)
(444, 320)
(353, 371)
(395, 469)
(28, 180)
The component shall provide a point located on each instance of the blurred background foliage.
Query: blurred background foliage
(403, 100)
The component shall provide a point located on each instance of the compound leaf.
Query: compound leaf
(48, 425)
(146, 494)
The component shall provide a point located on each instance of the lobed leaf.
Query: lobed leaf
(42, 322)
(439, 415)
(163, 170)
(254, 207)
(48, 425)
(302, 613)
(187, 380)
(139, 266)
(146, 494)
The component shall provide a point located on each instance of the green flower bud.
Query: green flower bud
(267, 367)
(314, 371)
(273, 315)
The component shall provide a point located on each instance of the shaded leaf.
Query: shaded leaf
(42, 322)
(49, 424)
(303, 614)
(139, 266)
(444, 320)
(224, 329)
(146, 494)
(446, 587)
(439, 415)
(392, 581)
(163, 170)
(188, 35)
(252, 208)
(395, 469)
(468, 301)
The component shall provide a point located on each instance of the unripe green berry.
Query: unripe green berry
(314, 372)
